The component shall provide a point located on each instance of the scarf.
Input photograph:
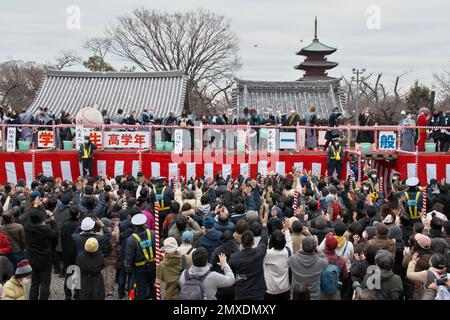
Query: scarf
(341, 241)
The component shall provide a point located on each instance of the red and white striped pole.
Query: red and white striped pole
(359, 164)
(417, 161)
(380, 183)
(158, 252)
(249, 147)
(174, 185)
(33, 164)
(424, 200)
(140, 160)
(295, 206)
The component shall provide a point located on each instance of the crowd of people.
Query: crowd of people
(411, 137)
(296, 237)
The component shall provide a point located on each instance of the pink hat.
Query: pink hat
(423, 241)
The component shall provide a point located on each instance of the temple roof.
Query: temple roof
(266, 95)
(130, 91)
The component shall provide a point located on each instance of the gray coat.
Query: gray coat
(213, 281)
(306, 269)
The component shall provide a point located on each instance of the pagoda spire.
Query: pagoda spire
(316, 63)
(315, 29)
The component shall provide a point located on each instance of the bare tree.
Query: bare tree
(385, 106)
(200, 43)
(98, 48)
(65, 59)
(442, 86)
(19, 82)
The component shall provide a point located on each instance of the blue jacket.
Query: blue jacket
(220, 226)
(210, 241)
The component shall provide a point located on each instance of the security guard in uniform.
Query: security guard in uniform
(164, 195)
(413, 200)
(335, 158)
(140, 258)
(373, 183)
(86, 156)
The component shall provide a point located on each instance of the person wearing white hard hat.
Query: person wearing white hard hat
(413, 200)
(87, 231)
(140, 258)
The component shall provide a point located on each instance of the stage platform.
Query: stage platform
(25, 165)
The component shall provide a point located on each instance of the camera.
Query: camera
(441, 281)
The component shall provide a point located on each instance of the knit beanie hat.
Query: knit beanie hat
(23, 269)
(91, 245)
(330, 241)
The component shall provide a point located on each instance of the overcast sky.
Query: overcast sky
(414, 36)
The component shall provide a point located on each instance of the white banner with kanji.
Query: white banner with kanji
(271, 141)
(387, 140)
(45, 139)
(126, 139)
(80, 133)
(11, 139)
(178, 141)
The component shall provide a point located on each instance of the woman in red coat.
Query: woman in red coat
(422, 120)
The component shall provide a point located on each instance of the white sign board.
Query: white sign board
(80, 133)
(288, 140)
(126, 139)
(178, 141)
(11, 139)
(271, 140)
(45, 139)
(387, 140)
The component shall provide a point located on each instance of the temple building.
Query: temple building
(315, 87)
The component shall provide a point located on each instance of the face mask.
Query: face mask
(365, 188)
(395, 178)
(374, 176)
(336, 144)
(364, 234)
(409, 116)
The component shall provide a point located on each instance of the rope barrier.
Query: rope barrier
(234, 127)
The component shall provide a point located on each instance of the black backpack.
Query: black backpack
(384, 293)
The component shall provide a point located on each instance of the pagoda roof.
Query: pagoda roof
(316, 46)
(317, 63)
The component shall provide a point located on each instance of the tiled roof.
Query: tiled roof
(130, 91)
(264, 95)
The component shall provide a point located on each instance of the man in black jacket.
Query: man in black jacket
(247, 265)
(88, 230)
(69, 247)
(40, 232)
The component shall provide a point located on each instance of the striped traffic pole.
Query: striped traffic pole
(158, 252)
